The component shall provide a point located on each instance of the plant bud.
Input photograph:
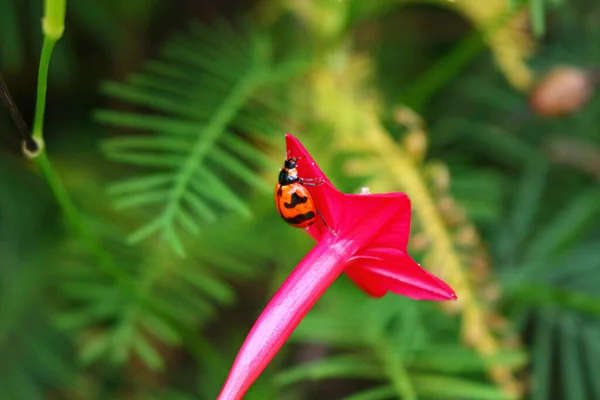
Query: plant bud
(563, 90)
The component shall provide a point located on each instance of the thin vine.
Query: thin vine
(53, 27)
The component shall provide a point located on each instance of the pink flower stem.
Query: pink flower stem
(315, 273)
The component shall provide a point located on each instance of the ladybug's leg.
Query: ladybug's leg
(325, 223)
(311, 181)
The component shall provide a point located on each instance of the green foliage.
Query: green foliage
(544, 239)
(554, 285)
(201, 95)
(34, 354)
(393, 342)
(161, 300)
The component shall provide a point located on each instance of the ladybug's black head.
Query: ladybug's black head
(290, 163)
(288, 173)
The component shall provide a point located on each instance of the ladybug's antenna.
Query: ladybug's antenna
(28, 141)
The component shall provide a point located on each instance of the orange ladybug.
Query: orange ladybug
(294, 202)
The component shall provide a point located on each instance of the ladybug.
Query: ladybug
(294, 202)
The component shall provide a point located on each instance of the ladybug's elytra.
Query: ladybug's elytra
(294, 202)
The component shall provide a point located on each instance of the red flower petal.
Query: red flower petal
(379, 270)
(389, 212)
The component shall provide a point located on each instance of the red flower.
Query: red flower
(369, 245)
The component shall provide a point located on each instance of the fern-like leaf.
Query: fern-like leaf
(191, 157)
(168, 298)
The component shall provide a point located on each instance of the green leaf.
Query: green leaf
(537, 16)
(146, 98)
(458, 359)
(199, 207)
(212, 188)
(146, 159)
(171, 237)
(247, 151)
(78, 318)
(160, 328)
(237, 168)
(169, 395)
(338, 367)
(145, 122)
(323, 329)
(498, 143)
(147, 230)
(542, 356)
(548, 296)
(580, 214)
(579, 264)
(527, 200)
(94, 348)
(186, 221)
(141, 199)
(443, 387)
(592, 357)
(169, 144)
(185, 317)
(148, 354)
(123, 337)
(86, 290)
(377, 393)
(142, 183)
(572, 366)
(208, 285)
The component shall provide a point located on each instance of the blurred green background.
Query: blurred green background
(165, 121)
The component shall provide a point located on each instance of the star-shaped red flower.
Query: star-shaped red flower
(369, 244)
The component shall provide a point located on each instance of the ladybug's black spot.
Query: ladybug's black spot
(298, 219)
(295, 201)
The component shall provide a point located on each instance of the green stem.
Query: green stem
(58, 189)
(75, 219)
(395, 370)
(40, 102)
(537, 17)
(53, 27)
